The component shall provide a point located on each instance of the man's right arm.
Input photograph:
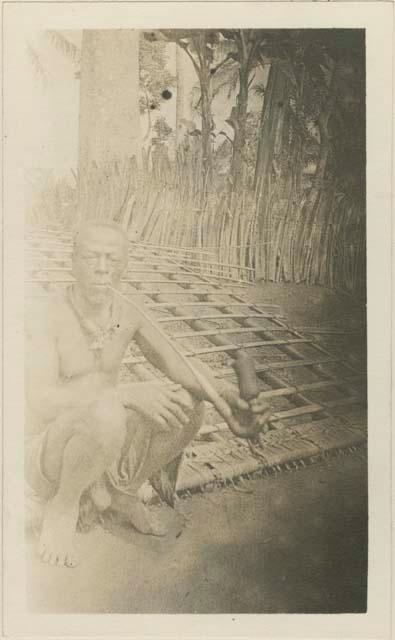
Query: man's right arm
(47, 395)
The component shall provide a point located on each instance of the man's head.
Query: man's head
(100, 255)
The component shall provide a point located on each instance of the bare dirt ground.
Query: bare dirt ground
(295, 543)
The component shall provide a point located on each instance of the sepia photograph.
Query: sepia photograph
(195, 251)
(196, 323)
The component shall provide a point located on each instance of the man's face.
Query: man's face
(99, 260)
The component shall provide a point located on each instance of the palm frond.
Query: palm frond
(260, 88)
(65, 46)
(38, 67)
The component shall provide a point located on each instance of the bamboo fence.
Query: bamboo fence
(162, 206)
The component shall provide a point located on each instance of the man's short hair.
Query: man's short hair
(85, 227)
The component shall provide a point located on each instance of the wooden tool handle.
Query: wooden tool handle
(248, 381)
(251, 428)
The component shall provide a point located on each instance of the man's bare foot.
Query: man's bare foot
(56, 544)
(146, 493)
(144, 520)
(100, 495)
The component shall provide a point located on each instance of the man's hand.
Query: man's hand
(169, 406)
(256, 410)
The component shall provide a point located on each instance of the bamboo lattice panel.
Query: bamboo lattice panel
(318, 400)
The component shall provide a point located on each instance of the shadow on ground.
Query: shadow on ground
(296, 544)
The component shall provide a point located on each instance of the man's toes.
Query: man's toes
(53, 559)
(62, 560)
(70, 560)
(46, 556)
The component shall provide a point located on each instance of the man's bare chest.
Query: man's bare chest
(80, 352)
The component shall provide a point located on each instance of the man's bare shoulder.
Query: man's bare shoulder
(42, 313)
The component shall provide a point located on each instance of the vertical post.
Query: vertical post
(109, 120)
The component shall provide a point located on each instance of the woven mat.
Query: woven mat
(225, 457)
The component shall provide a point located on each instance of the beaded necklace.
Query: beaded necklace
(97, 335)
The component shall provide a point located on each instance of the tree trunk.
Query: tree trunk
(272, 116)
(109, 122)
(180, 111)
(314, 196)
(207, 127)
(239, 126)
(272, 111)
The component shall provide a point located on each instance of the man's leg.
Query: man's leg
(146, 451)
(79, 448)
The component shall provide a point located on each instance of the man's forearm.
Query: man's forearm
(165, 357)
(220, 385)
(179, 372)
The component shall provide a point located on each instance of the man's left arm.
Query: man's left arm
(157, 350)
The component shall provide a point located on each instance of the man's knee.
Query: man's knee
(109, 408)
(105, 424)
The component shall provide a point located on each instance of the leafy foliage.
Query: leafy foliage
(162, 129)
(155, 78)
(39, 68)
(326, 73)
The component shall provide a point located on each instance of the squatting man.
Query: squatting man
(84, 430)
